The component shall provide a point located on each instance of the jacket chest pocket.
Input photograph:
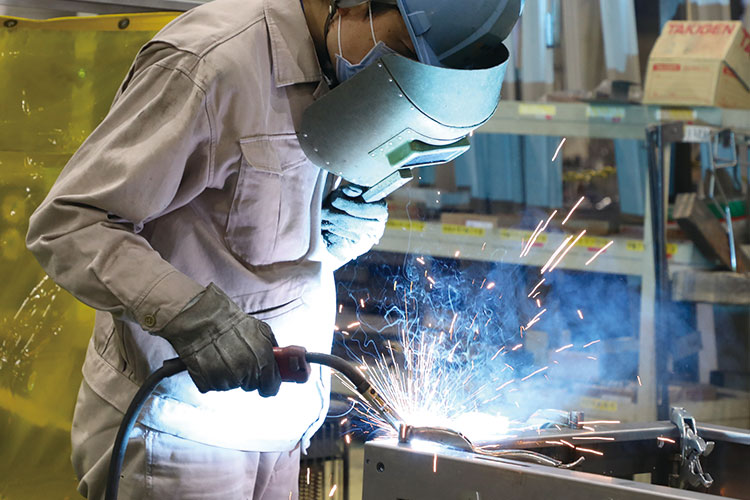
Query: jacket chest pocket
(270, 218)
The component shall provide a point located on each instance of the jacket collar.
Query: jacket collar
(292, 47)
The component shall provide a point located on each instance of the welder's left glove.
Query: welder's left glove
(351, 226)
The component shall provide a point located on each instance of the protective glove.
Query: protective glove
(351, 226)
(223, 347)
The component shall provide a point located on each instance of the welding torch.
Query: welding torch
(294, 366)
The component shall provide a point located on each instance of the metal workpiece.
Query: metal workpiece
(420, 470)
(395, 471)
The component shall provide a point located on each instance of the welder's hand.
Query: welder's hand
(223, 347)
(351, 226)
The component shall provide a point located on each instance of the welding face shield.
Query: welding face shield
(397, 115)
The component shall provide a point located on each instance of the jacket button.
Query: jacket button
(149, 321)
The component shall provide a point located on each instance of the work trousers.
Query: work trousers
(161, 466)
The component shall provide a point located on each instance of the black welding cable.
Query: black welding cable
(169, 368)
(175, 366)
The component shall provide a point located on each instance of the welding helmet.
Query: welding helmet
(399, 114)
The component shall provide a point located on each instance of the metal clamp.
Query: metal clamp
(692, 448)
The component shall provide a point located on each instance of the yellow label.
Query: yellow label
(592, 242)
(638, 246)
(676, 114)
(464, 230)
(405, 225)
(598, 404)
(540, 110)
(635, 246)
(519, 235)
(611, 113)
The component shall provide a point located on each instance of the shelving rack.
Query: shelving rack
(651, 258)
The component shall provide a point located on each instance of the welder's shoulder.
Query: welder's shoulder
(197, 42)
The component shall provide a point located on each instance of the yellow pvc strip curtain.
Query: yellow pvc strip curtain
(57, 80)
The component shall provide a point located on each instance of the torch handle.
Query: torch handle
(292, 364)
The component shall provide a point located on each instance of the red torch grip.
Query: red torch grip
(292, 363)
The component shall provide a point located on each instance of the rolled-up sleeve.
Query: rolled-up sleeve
(150, 156)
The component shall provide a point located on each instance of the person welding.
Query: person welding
(201, 223)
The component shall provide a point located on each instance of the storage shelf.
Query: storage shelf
(626, 256)
(603, 120)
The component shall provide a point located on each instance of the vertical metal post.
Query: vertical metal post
(656, 176)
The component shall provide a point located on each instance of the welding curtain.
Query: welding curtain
(57, 81)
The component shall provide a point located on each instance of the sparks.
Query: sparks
(453, 323)
(573, 209)
(517, 347)
(597, 422)
(535, 319)
(333, 491)
(555, 254)
(506, 384)
(591, 357)
(586, 450)
(591, 343)
(559, 148)
(434, 463)
(569, 445)
(431, 280)
(540, 370)
(601, 251)
(666, 440)
(457, 254)
(348, 439)
(341, 308)
(639, 380)
(420, 260)
(565, 347)
(593, 438)
(536, 287)
(527, 247)
(308, 475)
(362, 303)
(570, 247)
(353, 325)
(580, 314)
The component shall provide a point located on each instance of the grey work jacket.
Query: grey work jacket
(196, 176)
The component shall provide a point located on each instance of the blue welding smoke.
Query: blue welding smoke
(471, 316)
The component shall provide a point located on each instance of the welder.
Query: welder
(195, 223)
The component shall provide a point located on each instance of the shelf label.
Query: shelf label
(635, 246)
(545, 111)
(638, 246)
(405, 225)
(675, 114)
(464, 230)
(588, 403)
(695, 133)
(614, 114)
(592, 242)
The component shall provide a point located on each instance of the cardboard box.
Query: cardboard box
(700, 63)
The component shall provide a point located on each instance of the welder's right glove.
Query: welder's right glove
(223, 347)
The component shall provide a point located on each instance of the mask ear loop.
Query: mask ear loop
(341, 51)
(372, 26)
